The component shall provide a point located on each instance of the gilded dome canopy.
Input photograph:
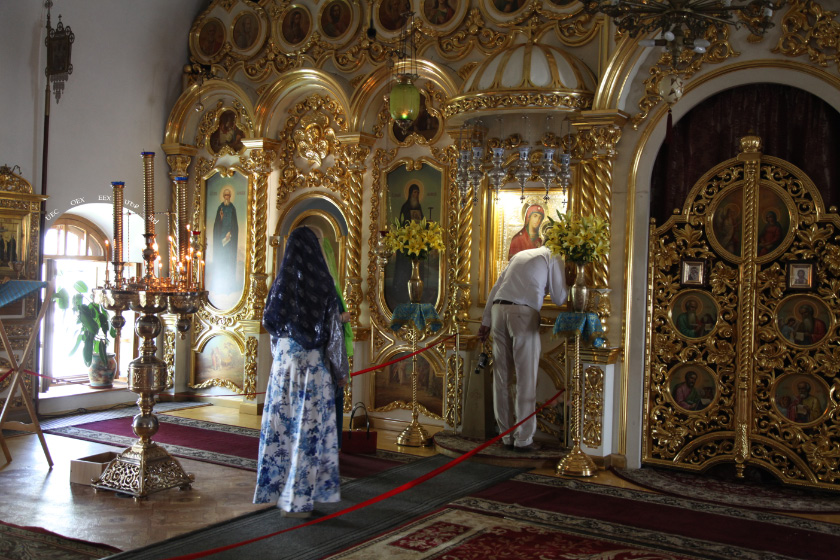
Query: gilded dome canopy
(525, 76)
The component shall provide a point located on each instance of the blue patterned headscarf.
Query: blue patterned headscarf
(302, 299)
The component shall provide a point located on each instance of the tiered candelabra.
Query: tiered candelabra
(146, 467)
(551, 170)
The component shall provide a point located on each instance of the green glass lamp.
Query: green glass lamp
(405, 100)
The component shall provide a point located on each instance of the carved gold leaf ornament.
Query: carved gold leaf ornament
(808, 28)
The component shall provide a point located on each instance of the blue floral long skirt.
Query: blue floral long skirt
(298, 458)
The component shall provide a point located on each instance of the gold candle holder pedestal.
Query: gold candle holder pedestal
(146, 467)
(414, 435)
(576, 463)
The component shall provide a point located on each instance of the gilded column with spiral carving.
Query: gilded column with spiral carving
(598, 134)
(258, 162)
(751, 156)
(355, 148)
(179, 157)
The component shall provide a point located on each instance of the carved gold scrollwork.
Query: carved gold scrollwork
(249, 385)
(331, 120)
(314, 138)
(807, 28)
(593, 405)
(454, 390)
(749, 365)
(169, 356)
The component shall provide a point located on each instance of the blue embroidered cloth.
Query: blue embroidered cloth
(13, 290)
(422, 315)
(586, 324)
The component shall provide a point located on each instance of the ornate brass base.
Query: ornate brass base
(414, 435)
(142, 470)
(576, 463)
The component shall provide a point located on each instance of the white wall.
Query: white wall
(127, 59)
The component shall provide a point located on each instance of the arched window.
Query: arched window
(74, 237)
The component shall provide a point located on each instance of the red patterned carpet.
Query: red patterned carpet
(468, 535)
(32, 543)
(221, 444)
(543, 517)
(758, 490)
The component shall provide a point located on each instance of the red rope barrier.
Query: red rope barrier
(380, 366)
(398, 490)
(372, 368)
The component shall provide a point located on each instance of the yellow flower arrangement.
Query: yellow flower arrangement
(580, 239)
(415, 239)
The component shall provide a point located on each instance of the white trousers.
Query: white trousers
(516, 352)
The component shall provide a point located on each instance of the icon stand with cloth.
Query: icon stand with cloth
(10, 292)
(413, 321)
(584, 325)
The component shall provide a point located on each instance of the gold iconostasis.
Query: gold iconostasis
(284, 120)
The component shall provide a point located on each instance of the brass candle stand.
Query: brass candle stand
(146, 467)
(414, 435)
(576, 463)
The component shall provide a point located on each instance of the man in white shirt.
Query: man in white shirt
(513, 315)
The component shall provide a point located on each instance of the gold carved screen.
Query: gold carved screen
(742, 347)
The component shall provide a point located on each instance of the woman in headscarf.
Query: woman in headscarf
(529, 236)
(298, 456)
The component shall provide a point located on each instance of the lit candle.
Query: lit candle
(201, 275)
(189, 266)
(107, 251)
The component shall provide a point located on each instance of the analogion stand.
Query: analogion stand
(10, 292)
(414, 321)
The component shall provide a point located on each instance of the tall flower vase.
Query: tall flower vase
(579, 291)
(415, 283)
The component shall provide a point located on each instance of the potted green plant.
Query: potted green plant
(94, 328)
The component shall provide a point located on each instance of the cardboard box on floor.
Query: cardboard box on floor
(83, 470)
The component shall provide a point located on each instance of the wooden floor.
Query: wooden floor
(35, 495)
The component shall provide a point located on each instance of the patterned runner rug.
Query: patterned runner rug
(320, 539)
(220, 444)
(473, 535)
(758, 491)
(31, 543)
(670, 524)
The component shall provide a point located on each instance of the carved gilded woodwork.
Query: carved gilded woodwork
(352, 155)
(314, 109)
(454, 387)
(758, 385)
(209, 321)
(593, 406)
(249, 385)
(473, 27)
(169, 356)
(809, 29)
(384, 341)
(222, 129)
(259, 163)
